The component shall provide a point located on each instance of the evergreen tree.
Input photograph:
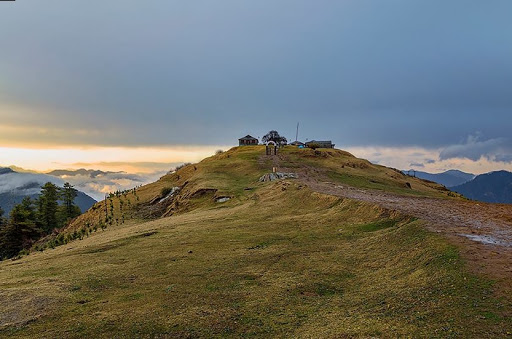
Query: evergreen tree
(69, 209)
(2, 221)
(20, 230)
(47, 206)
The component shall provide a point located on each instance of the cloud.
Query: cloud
(29, 183)
(405, 157)
(496, 149)
(507, 158)
(93, 183)
(416, 164)
(97, 183)
(173, 72)
(141, 165)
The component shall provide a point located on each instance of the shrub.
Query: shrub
(60, 239)
(165, 191)
(219, 151)
(313, 145)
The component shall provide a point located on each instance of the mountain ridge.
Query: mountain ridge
(493, 187)
(447, 178)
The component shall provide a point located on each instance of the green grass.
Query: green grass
(275, 261)
(380, 184)
(343, 168)
(378, 225)
(277, 265)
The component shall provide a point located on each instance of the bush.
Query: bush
(165, 191)
(60, 239)
(219, 151)
(313, 146)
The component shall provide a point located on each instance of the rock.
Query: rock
(277, 176)
(159, 199)
(222, 199)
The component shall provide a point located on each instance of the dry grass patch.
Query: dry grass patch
(279, 263)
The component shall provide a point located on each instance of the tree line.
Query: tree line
(32, 219)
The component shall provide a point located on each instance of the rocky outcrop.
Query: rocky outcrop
(278, 176)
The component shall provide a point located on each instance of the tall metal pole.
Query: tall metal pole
(297, 133)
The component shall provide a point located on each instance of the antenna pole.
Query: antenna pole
(297, 133)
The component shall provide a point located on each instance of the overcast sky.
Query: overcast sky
(432, 77)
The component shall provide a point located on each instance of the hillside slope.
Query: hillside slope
(276, 260)
(234, 174)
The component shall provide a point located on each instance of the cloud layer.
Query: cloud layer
(393, 73)
(29, 183)
(497, 149)
(98, 183)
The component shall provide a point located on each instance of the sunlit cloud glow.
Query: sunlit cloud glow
(428, 160)
(132, 160)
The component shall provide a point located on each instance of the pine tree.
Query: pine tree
(47, 206)
(67, 195)
(20, 230)
(2, 221)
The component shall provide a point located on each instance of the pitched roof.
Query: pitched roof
(248, 137)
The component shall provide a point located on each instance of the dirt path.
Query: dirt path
(483, 230)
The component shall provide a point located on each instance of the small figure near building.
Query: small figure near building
(247, 141)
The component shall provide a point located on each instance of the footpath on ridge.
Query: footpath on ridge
(483, 230)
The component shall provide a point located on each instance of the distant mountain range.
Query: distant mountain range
(449, 178)
(493, 187)
(15, 186)
(488, 187)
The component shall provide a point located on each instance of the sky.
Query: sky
(142, 85)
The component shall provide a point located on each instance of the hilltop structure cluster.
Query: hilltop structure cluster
(249, 140)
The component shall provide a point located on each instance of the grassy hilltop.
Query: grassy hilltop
(277, 260)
